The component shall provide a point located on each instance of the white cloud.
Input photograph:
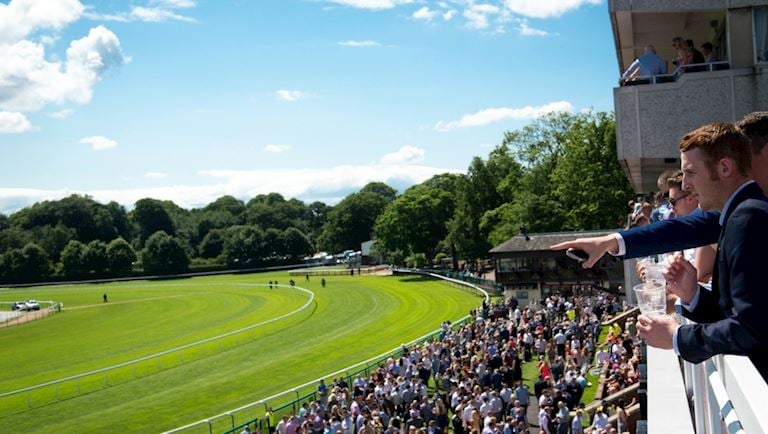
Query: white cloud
(327, 184)
(48, 39)
(155, 11)
(424, 13)
(364, 43)
(13, 123)
(20, 18)
(155, 175)
(156, 15)
(406, 155)
(546, 8)
(525, 30)
(62, 114)
(448, 15)
(176, 4)
(290, 95)
(29, 82)
(277, 149)
(493, 115)
(372, 4)
(477, 15)
(98, 143)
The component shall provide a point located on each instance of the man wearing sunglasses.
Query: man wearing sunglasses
(698, 229)
(684, 203)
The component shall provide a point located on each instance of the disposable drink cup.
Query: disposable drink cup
(653, 273)
(651, 298)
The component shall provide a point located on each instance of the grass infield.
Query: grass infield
(352, 319)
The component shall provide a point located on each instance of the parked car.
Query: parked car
(32, 305)
(18, 305)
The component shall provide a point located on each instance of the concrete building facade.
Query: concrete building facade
(654, 113)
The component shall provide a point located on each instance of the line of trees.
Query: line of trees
(79, 238)
(558, 173)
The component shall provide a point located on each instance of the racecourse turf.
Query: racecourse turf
(352, 319)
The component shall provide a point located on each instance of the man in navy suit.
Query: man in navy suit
(716, 161)
(697, 229)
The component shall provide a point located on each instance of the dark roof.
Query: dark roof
(541, 242)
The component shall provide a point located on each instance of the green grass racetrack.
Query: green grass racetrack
(351, 320)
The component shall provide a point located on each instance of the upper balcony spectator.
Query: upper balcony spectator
(648, 64)
(707, 50)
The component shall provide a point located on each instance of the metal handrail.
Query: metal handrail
(675, 75)
(723, 391)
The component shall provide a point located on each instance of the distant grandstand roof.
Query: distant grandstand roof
(539, 242)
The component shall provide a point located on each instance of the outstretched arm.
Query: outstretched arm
(595, 247)
(694, 230)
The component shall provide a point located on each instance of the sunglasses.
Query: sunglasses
(674, 201)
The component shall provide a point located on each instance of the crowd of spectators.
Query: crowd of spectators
(470, 379)
(650, 64)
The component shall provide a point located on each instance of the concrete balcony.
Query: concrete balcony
(651, 119)
(677, 5)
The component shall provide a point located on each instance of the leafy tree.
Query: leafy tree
(120, 257)
(588, 180)
(11, 263)
(416, 260)
(380, 188)
(164, 254)
(273, 242)
(120, 220)
(273, 211)
(476, 194)
(5, 222)
(14, 238)
(316, 215)
(416, 221)
(89, 219)
(216, 219)
(35, 265)
(572, 180)
(227, 204)
(53, 239)
(244, 246)
(151, 216)
(95, 257)
(350, 223)
(213, 244)
(73, 260)
(297, 245)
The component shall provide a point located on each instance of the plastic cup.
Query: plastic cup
(653, 273)
(651, 298)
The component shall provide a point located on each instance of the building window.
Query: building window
(761, 33)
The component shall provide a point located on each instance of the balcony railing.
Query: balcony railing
(722, 394)
(674, 76)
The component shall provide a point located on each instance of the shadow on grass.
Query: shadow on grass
(417, 279)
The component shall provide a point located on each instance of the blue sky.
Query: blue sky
(189, 100)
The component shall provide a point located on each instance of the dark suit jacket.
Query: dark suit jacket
(732, 316)
(694, 230)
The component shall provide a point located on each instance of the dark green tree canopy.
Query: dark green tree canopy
(89, 219)
(73, 260)
(164, 254)
(244, 246)
(350, 223)
(380, 188)
(120, 257)
(150, 216)
(416, 221)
